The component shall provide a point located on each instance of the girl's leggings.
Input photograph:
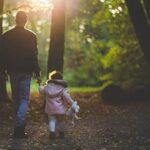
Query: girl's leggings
(56, 122)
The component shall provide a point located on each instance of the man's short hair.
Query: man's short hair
(21, 17)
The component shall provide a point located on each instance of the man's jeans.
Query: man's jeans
(20, 86)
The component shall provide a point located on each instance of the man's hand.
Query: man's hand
(37, 75)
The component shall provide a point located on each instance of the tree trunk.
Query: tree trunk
(57, 37)
(1, 19)
(141, 26)
(147, 7)
(3, 91)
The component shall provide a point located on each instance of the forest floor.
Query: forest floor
(101, 127)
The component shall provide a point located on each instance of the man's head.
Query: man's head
(21, 18)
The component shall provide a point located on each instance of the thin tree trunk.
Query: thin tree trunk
(141, 26)
(147, 7)
(1, 19)
(3, 91)
(57, 37)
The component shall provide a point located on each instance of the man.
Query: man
(20, 58)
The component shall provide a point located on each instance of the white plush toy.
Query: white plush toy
(72, 112)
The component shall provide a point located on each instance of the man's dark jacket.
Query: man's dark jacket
(19, 51)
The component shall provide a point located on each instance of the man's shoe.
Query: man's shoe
(21, 136)
(19, 132)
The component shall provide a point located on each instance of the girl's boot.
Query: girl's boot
(19, 132)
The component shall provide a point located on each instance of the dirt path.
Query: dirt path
(101, 127)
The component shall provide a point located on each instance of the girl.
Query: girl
(57, 99)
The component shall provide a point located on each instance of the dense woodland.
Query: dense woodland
(101, 46)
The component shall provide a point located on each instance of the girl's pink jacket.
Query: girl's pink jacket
(56, 96)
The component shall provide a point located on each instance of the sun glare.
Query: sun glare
(35, 5)
(43, 2)
(40, 3)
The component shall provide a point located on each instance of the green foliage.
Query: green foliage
(81, 62)
(84, 89)
(124, 63)
(100, 48)
(82, 67)
(113, 46)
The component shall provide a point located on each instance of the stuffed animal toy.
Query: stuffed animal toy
(72, 112)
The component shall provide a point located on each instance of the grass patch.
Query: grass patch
(34, 88)
(84, 89)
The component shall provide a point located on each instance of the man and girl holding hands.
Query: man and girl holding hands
(18, 57)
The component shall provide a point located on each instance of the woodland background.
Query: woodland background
(100, 42)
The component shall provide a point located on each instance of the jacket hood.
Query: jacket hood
(58, 81)
(55, 87)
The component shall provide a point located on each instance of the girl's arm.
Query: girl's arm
(42, 89)
(67, 97)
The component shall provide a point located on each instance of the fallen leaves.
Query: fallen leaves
(101, 127)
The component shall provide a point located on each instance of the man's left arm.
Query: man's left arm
(36, 68)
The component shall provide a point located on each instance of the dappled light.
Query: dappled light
(101, 47)
(29, 5)
(40, 4)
